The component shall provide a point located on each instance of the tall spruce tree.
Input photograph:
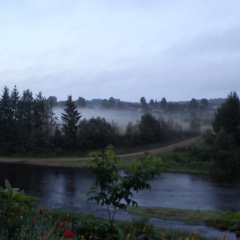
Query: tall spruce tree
(40, 118)
(70, 124)
(6, 121)
(15, 100)
(51, 117)
(25, 122)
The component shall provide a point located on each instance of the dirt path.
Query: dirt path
(50, 161)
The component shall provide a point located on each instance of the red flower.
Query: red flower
(34, 219)
(18, 210)
(63, 224)
(68, 234)
(41, 211)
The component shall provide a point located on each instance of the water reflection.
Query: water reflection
(67, 188)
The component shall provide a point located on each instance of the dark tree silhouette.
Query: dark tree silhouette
(81, 102)
(25, 122)
(96, 133)
(163, 103)
(149, 128)
(144, 104)
(6, 120)
(227, 117)
(70, 120)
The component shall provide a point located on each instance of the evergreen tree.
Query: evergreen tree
(57, 139)
(51, 121)
(40, 119)
(15, 99)
(25, 122)
(6, 120)
(70, 120)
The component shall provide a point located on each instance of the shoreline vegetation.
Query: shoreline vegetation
(223, 220)
(81, 161)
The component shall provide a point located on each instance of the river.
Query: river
(66, 188)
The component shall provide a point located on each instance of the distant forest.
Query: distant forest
(28, 124)
(168, 106)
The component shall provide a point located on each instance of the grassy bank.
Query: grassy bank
(216, 219)
(59, 224)
(187, 158)
(177, 159)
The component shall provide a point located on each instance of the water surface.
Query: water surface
(67, 188)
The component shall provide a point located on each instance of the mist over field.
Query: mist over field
(121, 117)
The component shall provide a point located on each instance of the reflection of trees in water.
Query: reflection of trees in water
(66, 187)
(21, 176)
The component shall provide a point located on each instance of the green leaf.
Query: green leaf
(9, 187)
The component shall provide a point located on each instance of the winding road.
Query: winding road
(50, 161)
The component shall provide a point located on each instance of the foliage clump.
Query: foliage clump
(115, 189)
(224, 141)
(12, 203)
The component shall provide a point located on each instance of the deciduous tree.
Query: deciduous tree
(116, 190)
(144, 104)
(227, 117)
(149, 129)
(96, 133)
(81, 102)
(163, 103)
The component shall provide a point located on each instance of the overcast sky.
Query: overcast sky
(178, 49)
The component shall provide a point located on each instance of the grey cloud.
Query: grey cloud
(215, 42)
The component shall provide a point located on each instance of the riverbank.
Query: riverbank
(80, 161)
(56, 224)
(223, 220)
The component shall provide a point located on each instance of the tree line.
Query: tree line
(26, 122)
(192, 105)
(28, 126)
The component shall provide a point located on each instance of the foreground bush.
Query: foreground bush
(55, 225)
